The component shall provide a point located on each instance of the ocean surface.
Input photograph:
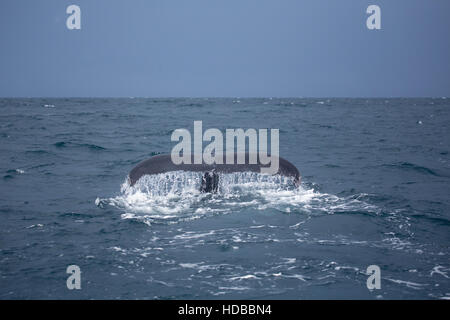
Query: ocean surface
(374, 191)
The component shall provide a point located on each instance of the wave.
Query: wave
(412, 167)
(64, 144)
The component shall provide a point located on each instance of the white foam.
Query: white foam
(234, 288)
(35, 226)
(437, 270)
(409, 284)
(174, 196)
(245, 277)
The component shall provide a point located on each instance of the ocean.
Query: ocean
(374, 191)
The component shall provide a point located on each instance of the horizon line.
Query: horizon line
(224, 97)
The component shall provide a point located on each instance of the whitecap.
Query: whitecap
(437, 270)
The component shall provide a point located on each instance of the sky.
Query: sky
(224, 48)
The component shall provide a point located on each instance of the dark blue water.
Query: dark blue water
(375, 191)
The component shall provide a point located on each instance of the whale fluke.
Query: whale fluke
(163, 163)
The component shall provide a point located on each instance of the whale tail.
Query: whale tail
(210, 173)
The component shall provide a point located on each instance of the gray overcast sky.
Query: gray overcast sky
(311, 48)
